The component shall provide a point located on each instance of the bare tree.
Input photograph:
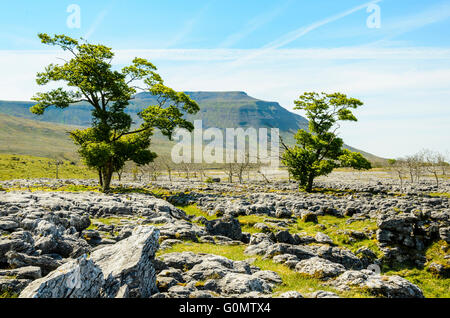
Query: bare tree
(137, 173)
(186, 168)
(262, 173)
(433, 162)
(120, 173)
(414, 164)
(153, 169)
(410, 163)
(241, 167)
(57, 163)
(229, 170)
(201, 170)
(442, 162)
(398, 167)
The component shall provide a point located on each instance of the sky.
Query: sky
(394, 55)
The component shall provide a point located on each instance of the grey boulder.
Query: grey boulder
(226, 226)
(124, 269)
(319, 268)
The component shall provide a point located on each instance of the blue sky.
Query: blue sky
(273, 50)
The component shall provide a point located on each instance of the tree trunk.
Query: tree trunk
(401, 181)
(437, 179)
(310, 183)
(100, 177)
(107, 176)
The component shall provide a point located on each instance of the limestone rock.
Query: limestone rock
(319, 268)
(226, 226)
(124, 269)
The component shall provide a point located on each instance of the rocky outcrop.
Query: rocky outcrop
(378, 285)
(41, 232)
(124, 269)
(79, 278)
(319, 268)
(226, 226)
(192, 275)
(403, 237)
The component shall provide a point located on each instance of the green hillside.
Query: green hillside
(22, 136)
(217, 109)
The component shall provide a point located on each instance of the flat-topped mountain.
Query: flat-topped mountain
(217, 109)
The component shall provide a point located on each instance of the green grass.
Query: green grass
(156, 192)
(196, 211)
(440, 194)
(334, 227)
(437, 252)
(431, 285)
(248, 221)
(291, 279)
(8, 294)
(338, 230)
(108, 221)
(66, 188)
(29, 167)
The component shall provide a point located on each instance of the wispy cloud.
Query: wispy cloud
(188, 26)
(254, 24)
(285, 55)
(401, 25)
(99, 20)
(298, 33)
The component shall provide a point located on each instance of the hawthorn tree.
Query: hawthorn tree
(318, 151)
(112, 139)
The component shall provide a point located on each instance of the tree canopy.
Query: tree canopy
(89, 77)
(318, 151)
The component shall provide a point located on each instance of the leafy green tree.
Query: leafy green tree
(89, 77)
(319, 151)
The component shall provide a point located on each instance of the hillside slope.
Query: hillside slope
(217, 109)
(23, 136)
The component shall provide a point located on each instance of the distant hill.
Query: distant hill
(235, 109)
(21, 136)
(217, 109)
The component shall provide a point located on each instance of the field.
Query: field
(30, 167)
